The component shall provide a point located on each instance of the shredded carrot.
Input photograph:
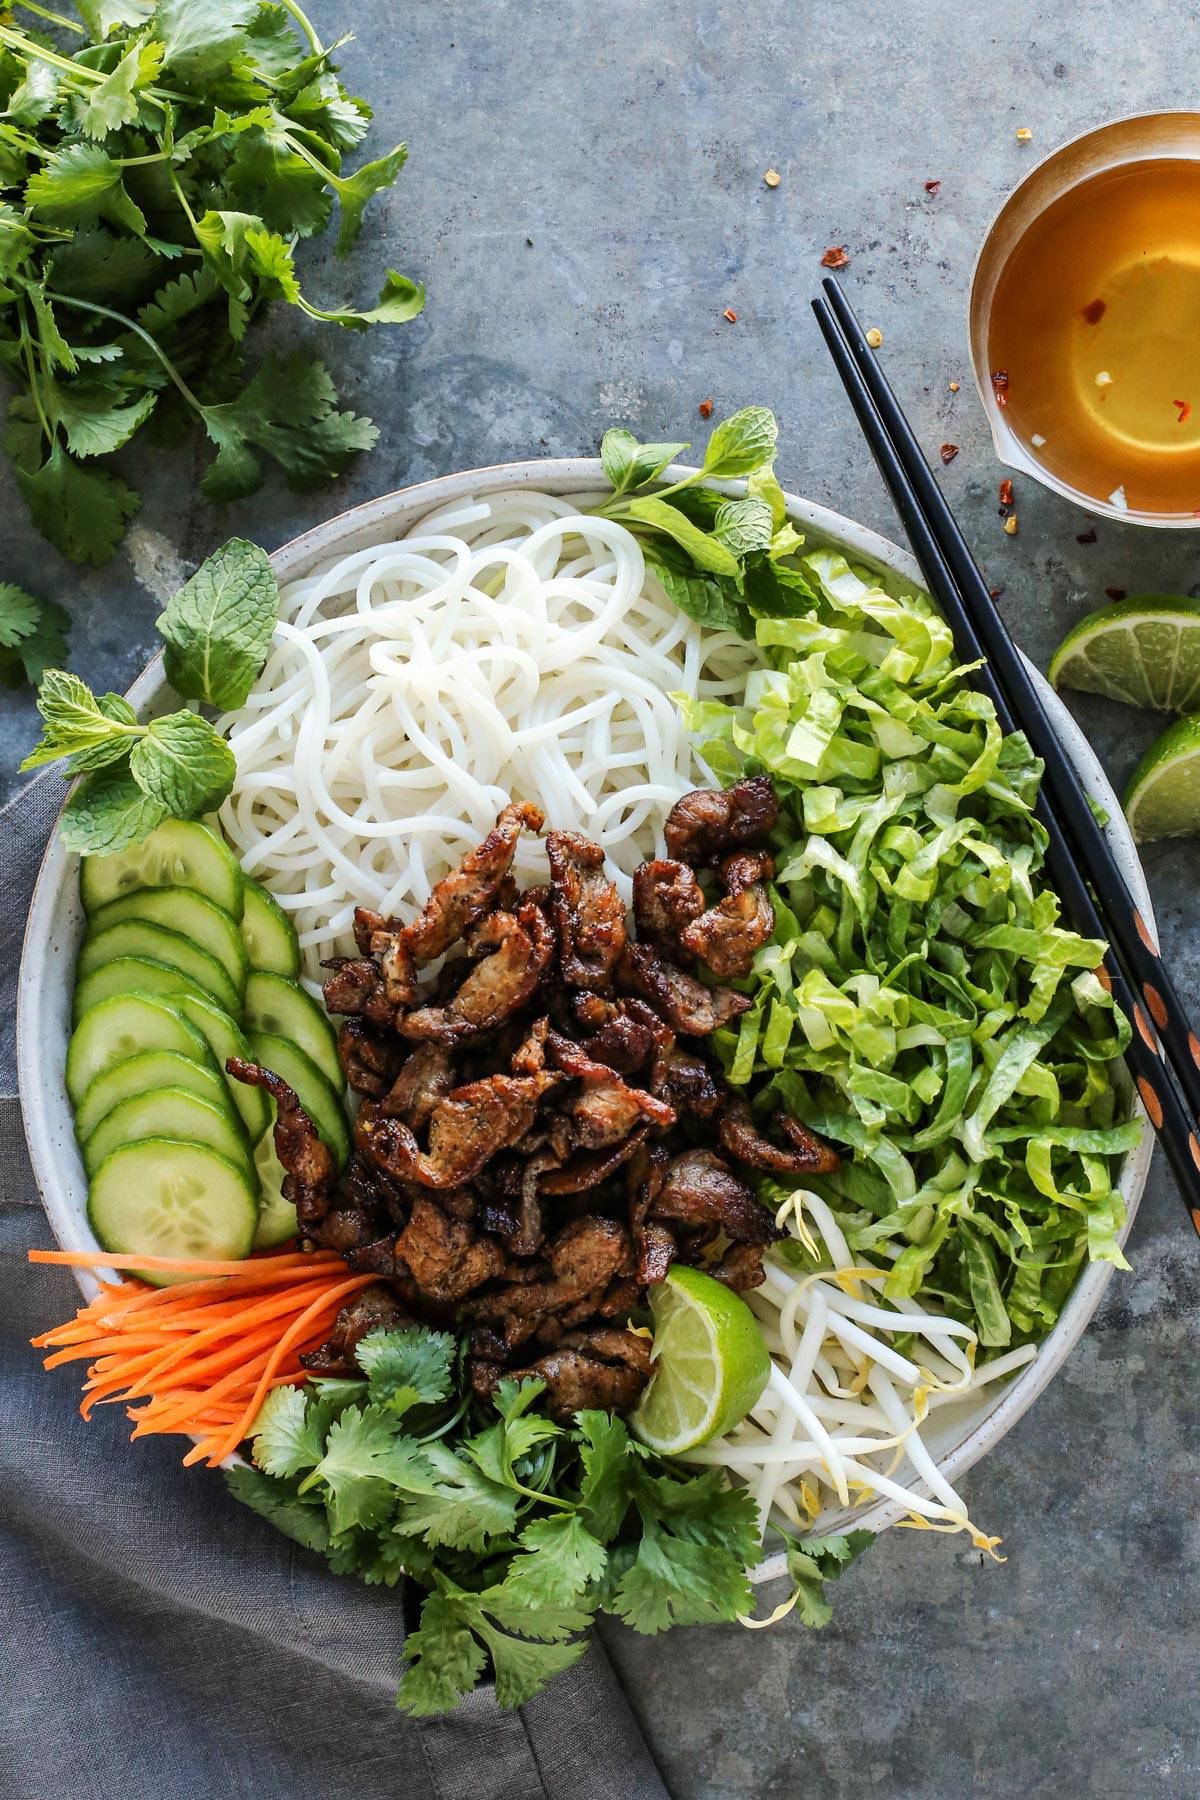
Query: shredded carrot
(202, 1354)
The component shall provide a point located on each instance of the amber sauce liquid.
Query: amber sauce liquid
(1106, 284)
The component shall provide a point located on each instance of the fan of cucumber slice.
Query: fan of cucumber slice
(186, 962)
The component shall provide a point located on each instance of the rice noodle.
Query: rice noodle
(841, 1414)
(506, 648)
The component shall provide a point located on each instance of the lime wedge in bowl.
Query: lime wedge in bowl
(710, 1363)
(1163, 796)
(1144, 651)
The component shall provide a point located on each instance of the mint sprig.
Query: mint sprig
(136, 774)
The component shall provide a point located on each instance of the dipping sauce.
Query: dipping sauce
(1096, 324)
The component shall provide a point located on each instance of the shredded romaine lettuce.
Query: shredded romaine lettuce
(922, 1003)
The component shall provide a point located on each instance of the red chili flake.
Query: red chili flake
(1006, 493)
(995, 592)
(836, 257)
(1094, 311)
(1085, 537)
(1116, 593)
(730, 315)
(933, 189)
(1000, 386)
(1185, 410)
(949, 452)
(706, 409)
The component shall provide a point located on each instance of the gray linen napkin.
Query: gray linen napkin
(161, 1640)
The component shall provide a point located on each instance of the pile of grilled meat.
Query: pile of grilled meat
(540, 1134)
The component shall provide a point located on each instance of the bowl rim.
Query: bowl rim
(565, 476)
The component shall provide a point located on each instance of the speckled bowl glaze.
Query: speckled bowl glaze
(958, 1436)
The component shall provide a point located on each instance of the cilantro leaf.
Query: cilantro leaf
(675, 1581)
(399, 300)
(444, 1660)
(813, 1561)
(82, 511)
(288, 410)
(81, 179)
(354, 191)
(201, 38)
(562, 1558)
(184, 764)
(280, 1503)
(33, 635)
(107, 811)
(218, 627)
(523, 1667)
(407, 1368)
(114, 101)
(461, 1507)
(363, 1465)
(289, 1433)
(604, 1493)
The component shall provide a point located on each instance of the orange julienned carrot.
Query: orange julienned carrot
(202, 1354)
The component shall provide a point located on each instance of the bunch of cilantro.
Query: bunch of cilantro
(521, 1529)
(177, 765)
(158, 165)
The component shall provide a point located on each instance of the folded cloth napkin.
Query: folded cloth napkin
(158, 1638)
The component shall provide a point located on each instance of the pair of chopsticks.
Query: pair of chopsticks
(1079, 860)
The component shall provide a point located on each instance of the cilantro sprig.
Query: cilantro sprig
(159, 164)
(521, 1529)
(177, 765)
(33, 635)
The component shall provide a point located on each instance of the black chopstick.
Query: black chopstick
(1127, 929)
(1163, 1105)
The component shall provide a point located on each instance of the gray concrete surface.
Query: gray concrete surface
(628, 141)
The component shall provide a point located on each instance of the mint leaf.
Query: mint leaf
(741, 445)
(218, 626)
(444, 1660)
(78, 725)
(743, 525)
(628, 464)
(184, 764)
(107, 811)
(407, 1368)
(82, 511)
(705, 551)
(711, 600)
(813, 1561)
(33, 635)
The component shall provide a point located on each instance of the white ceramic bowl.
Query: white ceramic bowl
(958, 1436)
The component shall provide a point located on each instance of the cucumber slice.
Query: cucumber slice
(279, 1008)
(184, 910)
(114, 1030)
(152, 1069)
(225, 1039)
(180, 853)
(276, 1216)
(267, 932)
(131, 975)
(168, 1113)
(310, 1087)
(169, 1199)
(138, 937)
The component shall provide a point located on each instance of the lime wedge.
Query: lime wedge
(1144, 651)
(710, 1363)
(1163, 796)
